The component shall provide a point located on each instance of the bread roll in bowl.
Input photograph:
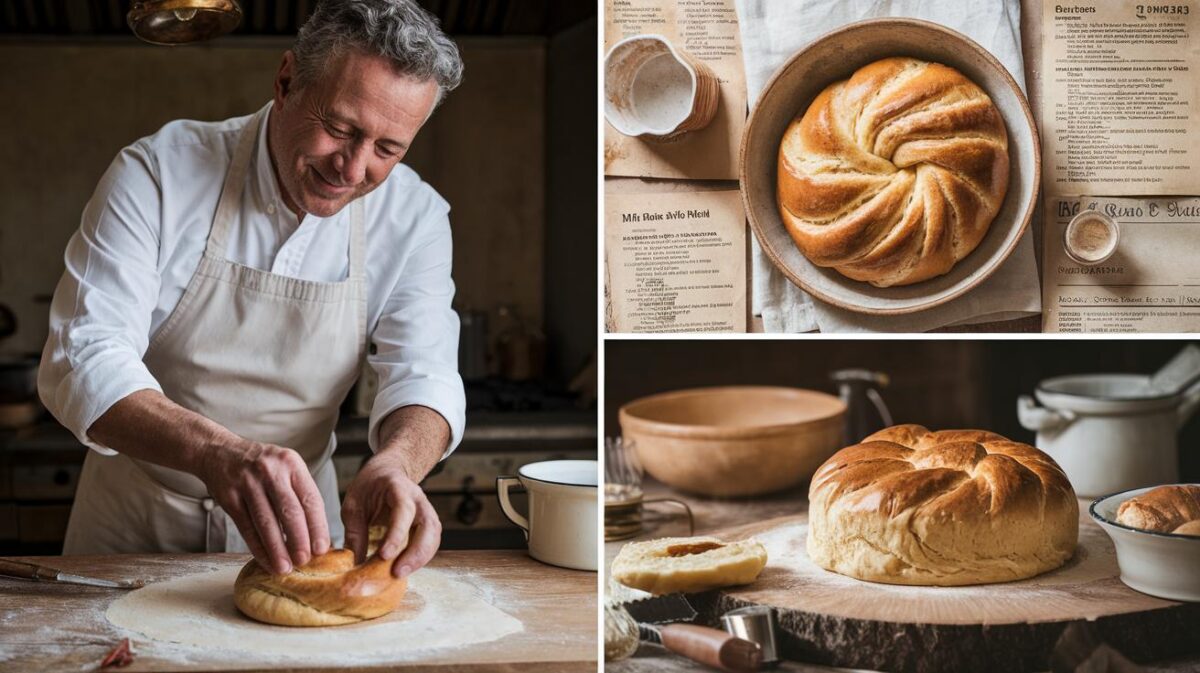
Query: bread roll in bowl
(1166, 509)
(894, 175)
(949, 508)
(329, 590)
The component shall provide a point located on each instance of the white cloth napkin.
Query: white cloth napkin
(772, 30)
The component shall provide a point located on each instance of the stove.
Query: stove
(40, 465)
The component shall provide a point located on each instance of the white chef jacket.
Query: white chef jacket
(141, 238)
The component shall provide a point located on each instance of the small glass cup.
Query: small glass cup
(1091, 237)
(623, 496)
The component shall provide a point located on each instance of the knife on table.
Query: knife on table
(657, 619)
(33, 571)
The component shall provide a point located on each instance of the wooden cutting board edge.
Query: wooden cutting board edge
(814, 637)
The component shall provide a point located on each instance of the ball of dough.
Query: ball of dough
(329, 590)
(957, 507)
(686, 564)
(893, 176)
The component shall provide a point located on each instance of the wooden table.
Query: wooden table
(714, 515)
(44, 626)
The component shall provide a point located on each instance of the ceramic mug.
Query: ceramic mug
(561, 528)
(655, 90)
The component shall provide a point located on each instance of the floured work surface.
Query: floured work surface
(1150, 284)
(1121, 97)
(469, 611)
(675, 262)
(833, 619)
(709, 31)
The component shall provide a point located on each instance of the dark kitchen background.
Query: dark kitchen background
(513, 151)
(940, 384)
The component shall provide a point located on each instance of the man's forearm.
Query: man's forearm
(416, 437)
(148, 426)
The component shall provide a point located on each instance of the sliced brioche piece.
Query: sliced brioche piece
(686, 564)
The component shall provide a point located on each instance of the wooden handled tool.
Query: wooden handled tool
(712, 647)
(662, 619)
(33, 571)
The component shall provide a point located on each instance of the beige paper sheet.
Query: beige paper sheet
(1150, 284)
(1121, 97)
(675, 262)
(709, 31)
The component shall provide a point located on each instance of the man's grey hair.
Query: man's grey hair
(398, 30)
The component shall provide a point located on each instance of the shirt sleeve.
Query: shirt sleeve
(416, 337)
(101, 313)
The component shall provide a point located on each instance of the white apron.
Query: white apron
(267, 356)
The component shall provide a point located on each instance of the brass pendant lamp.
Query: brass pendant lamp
(172, 22)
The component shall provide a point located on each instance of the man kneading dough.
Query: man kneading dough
(221, 291)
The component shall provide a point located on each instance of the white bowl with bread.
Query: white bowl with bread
(1156, 531)
(890, 166)
(732, 441)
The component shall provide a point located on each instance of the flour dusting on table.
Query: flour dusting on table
(187, 615)
(786, 551)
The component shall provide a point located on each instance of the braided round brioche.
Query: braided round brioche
(329, 590)
(910, 506)
(893, 176)
(1166, 509)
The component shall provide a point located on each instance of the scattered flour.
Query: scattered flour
(1084, 588)
(786, 550)
(193, 618)
(662, 93)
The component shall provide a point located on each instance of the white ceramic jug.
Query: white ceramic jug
(1109, 432)
(562, 526)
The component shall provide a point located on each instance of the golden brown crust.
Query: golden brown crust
(1166, 509)
(894, 175)
(910, 506)
(329, 590)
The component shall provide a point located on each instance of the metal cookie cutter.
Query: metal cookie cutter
(756, 624)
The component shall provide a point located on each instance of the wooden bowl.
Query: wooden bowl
(835, 56)
(734, 440)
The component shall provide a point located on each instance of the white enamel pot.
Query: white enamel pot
(1109, 432)
(562, 527)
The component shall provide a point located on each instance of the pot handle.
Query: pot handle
(1041, 419)
(1189, 405)
(502, 486)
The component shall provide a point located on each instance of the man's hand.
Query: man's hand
(264, 488)
(386, 491)
(271, 497)
(383, 493)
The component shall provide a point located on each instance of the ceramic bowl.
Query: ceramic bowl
(835, 56)
(1160, 564)
(734, 440)
(656, 90)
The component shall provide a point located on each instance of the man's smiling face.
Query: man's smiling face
(336, 138)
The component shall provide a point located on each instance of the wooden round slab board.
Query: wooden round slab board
(832, 619)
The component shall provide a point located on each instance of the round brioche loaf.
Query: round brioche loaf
(686, 564)
(893, 176)
(949, 508)
(1166, 509)
(329, 590)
